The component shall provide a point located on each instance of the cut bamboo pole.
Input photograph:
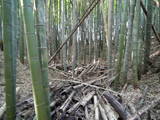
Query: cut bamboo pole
(103, 113)
(111, 114)
(67, 102)
(82, 102)
(96, 108)
(86, 113)
(117, 106)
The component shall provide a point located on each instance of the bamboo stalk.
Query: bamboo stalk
(103, 113)
(86, 113)
(9, 57)
(39, 92)
(111, 114)
(82, 102)
(117, 106)
(41, 36)
(67, 102)
(96, 108)
(3, 108)
(88, 11)
(22, 37)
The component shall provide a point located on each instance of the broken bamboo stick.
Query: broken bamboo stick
(67, 90)
(88, 11)
(65, 105)
(111, 114)
(87, 98)
(96, 108)
(82, 102)
(86, 113)
(117, 106)
(103, 113)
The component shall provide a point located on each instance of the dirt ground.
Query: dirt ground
(23, 79)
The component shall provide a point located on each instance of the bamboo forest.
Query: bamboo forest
(79, 59)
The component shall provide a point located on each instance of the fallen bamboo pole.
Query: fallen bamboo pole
(103, 112)
(65, 105)
(96, 108)
(88, 11)
(117, 106)
(82, 102)
(111, 114)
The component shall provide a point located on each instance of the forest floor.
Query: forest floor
(148, 87)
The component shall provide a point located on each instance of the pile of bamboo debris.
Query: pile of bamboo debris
(91, 74)
(84, 97)
(77, 102)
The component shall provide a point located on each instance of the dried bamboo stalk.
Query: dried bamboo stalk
(74, 108)
(67, 90)
(133, 110)
(91, 69)
(96, 66)
(117, 106)
(89, 85)
(53, 103)
(82, 102)
(103, 112)
(67, 102)
(87, 98)
(86, 113)
(96, 108)
(85, 70)
(111, 114)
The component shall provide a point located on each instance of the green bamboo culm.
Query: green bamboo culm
(122, 40)
(136, 41)
(129, 42)
(41, 35)
(147, 40)
(9, 58)
(39, 93)
(1, 41)
(22, 37)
